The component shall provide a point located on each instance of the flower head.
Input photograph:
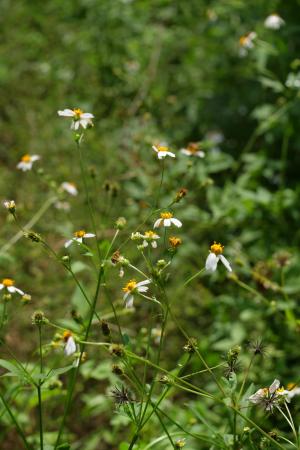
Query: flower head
(162, 151)
(246, 42)
(79, 117)
(27, 162)
(274, 22)
(216, 255)
(166, 219)
(150, 237)
(78, 237)
(175, 241)
(70, 188)
(70, 345)
(10, 206)
(193, 149)
(269, 397)
(9, 285)
(131, 288)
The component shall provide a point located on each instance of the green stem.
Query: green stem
(19, 429)
(40, 416)
(193, 277)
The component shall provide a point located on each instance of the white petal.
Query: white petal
(211, 262)
(142, 289)
(1, 286)
(129, 301)
(35, 157)
(89, 235)
(11, 289)
(154, 244)
(87, 116)
(155, 148)
(200, 154)
(142, 283)
(66, 113)
(161, 155)
(176, 222)
(171, 154)
(185, 151)
(225, 262)
(145, 244)
(68, 243)
(84, 122)
(274, 386)
(157, 223)
(70, 347)
(167, 222)
(19, 291)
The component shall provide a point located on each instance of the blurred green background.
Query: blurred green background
(154, 71)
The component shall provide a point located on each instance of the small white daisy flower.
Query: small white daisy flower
(193, 149)
(78, 237)
(27, 162)
(246, 42)
(150, 237)
(79, 117)
(70, 344)
(8, 285)
(269, 397)
(132, 288)
(274, 22)
(162, 151)
(10, 205)
(70, 188)
(214, 257)
(166, 219)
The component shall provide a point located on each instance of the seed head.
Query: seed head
(38, 318)
(33, 236)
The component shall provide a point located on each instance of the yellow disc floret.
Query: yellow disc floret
(79, 233)
(217, 249)
(166, 215)
(175, 241)
(77, 112)
(7, 282)
(162, 148)
(130, 286)
(26, 158)
(66, 335)
(193, 147)
(150, 234)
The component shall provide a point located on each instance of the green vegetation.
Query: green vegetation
(79, 369)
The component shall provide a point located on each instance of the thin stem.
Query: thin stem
(193, 277)
(13, 418)
(39, 389)
(160, 184)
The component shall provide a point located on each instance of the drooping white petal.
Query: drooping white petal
(211, 263)
(1, 286)
(70, 346)
(76, 124)
(176, 222)
(66, 113)
(167, 222)
(129, 301)
(142, 288)
(257, 397)
(154, 244)
(68, 243)
(157, 223)
(171, 154)
(15, 290)
(161, 155)
(145, 244)
(225, 262)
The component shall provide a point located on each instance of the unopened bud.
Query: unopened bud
(38, 318)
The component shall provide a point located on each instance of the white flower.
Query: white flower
(8, 285)
(27, 161)
(78, 237)
(214, 257)
(247, 42)
(10, 205)
(274, 22)
(150, 237)
(79, 117)
(166, 219)
(70, 346)
(193, 149)
(64, 206)
(70, 188)
(269, 397)
(136, 236)
(162, 151)
(132, 288)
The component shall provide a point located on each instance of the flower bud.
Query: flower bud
(33, 236)
(121, 223)
(10, 206)
(38, 318)
(180, 195)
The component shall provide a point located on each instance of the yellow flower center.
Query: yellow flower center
(217, 249)
(166, 215)
(280, 390)
(77, 112)
(79, 234)
(162, 148)
(175, 241)
(66, 335)
(193, 147)
(149, 234)
(7, 282)
(26, 158)
(130, 286)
